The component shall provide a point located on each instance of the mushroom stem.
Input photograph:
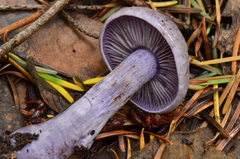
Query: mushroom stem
(81, 123)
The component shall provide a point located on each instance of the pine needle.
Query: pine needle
(235, 51)
(142, 140)
(226, 59)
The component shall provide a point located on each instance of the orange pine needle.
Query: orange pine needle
(7, 65)
(205, 40)
(231, 93)
(115, 154)
(159, 137)
(121, 143)
(113, 133)
(142, 140)
(160, 151)
(235, 51)
(188, 105)
(129, 154)
(14, 91)
(221, 144)
(21, 23)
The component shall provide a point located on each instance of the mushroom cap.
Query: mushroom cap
(133, 28)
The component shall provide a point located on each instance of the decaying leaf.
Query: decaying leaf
(227, 37)
(180, 150)
(48, 93)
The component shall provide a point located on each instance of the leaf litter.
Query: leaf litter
(198, 138)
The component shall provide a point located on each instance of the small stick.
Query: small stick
(38, 7)
(182, 25)
(34, 27)
(21, 22)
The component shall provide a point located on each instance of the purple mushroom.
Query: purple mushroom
(148, 58)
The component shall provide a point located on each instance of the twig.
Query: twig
(35, 26)
(21, 22)
(81, 7)
(81, 28)
(20, 7)
(38, 7)
(181, 25)
(136, 2)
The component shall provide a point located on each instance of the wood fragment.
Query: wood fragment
(35, 26)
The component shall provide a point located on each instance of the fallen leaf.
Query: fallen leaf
(179, 149)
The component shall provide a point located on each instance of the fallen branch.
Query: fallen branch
(34, 27)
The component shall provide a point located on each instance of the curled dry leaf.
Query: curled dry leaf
(48, 93)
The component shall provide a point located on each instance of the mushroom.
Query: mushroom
(148, 58)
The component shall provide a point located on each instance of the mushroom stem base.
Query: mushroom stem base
(81, 123)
